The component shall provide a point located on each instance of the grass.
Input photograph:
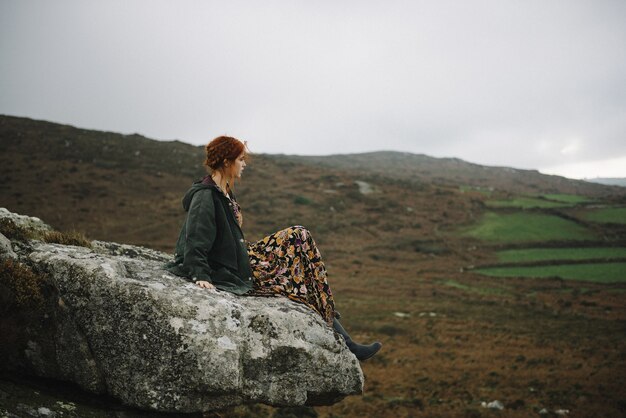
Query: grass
(596, 272)
(545, 254)
(301, 200)
(526, 227)
(527, 203)
(567, 198)
(12, 231)
(544, 201)
(67, 238)
(607, 215)
(473, 289)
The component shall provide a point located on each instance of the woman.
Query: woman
(211, 250)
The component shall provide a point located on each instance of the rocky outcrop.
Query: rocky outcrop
(110, 319)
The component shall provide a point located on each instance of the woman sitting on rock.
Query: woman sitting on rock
(212, 252)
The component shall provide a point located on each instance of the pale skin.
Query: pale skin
(223, 178)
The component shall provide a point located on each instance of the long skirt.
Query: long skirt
(288, 263)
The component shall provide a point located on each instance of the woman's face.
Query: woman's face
(236, 167)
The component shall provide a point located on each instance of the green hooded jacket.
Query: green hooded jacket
(211, 245)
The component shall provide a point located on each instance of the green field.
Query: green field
(597, 272)
(543, 201)
(526, 227)
(527, 203)
(607, 215)
(567, 198)
(545, 254)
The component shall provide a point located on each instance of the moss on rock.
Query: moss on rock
(23, 283)
(13, 231)
(16, 232)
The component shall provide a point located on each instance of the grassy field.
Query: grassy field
(526, 227)
(545, 201)
(567, 198)
(545, 254)
(527, 203)
(607, 215)
(596, 272)
(540, 227)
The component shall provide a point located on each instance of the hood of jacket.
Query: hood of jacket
(204, 183)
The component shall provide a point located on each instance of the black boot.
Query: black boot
(362, 352)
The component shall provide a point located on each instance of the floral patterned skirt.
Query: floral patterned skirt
(288, 263)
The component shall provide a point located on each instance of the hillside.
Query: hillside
(405, 237)
(609, 181)
(105, 183)
(418, 168)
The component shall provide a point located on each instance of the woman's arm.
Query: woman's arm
(199, 237)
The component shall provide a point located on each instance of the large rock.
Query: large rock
(113, 321)
(28, 222)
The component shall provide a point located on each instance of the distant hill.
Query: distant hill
(608, 181)
(112, 150)
(422, 168)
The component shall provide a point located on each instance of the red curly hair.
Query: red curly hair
(223, 149)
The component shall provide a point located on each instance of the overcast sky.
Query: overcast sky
(520, 83)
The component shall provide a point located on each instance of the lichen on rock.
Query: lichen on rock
(116, 323)
(31, 224)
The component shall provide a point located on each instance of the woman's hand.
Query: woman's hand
(205, 285)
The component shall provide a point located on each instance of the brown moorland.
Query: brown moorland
(388, 225)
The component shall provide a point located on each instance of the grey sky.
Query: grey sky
(528, 84)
